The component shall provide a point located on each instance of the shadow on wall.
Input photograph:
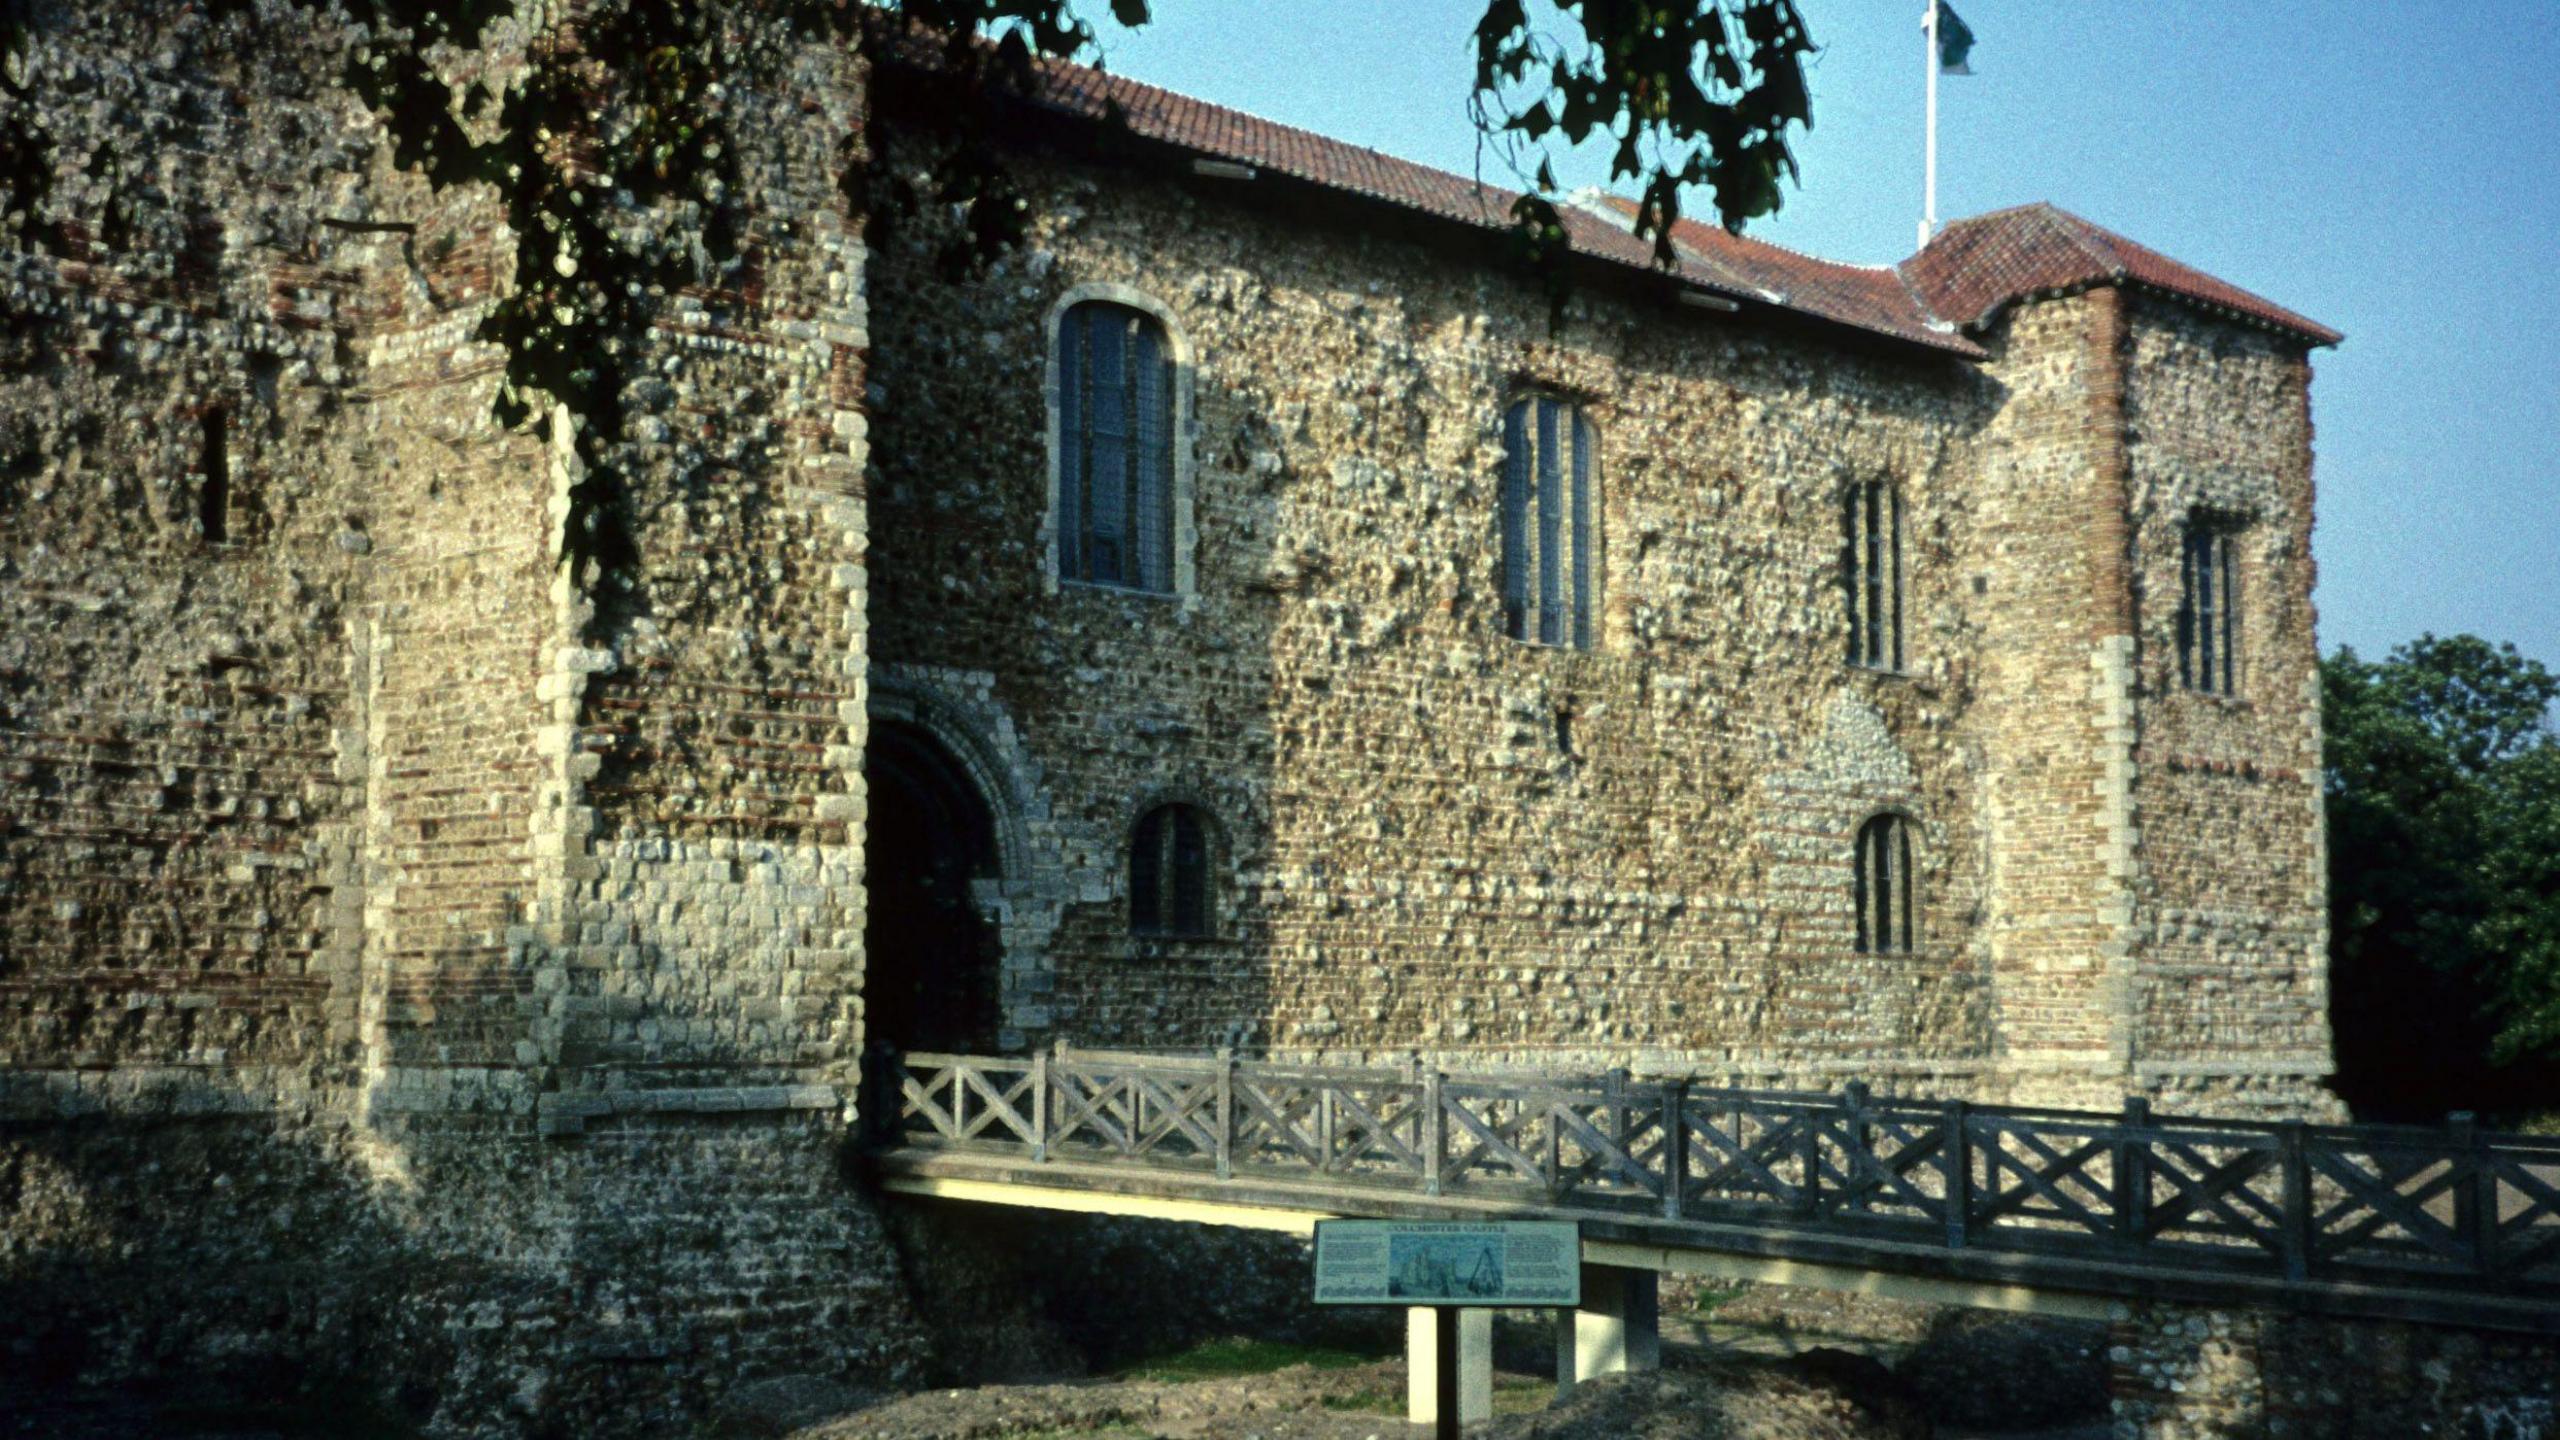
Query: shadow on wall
(181, 1253)
(1008, 1302)
(447, 1273)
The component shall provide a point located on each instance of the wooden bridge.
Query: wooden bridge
(1990, 1205)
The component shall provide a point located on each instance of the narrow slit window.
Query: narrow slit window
(1872, 574)
(1116, 428)
(1550, 524)
(2209, 608)
(1884, 887)
(213, 496)
(1169, 873)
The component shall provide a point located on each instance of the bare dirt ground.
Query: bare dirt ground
(1752, 1387)
(1760, 1401)
(1755, 1365)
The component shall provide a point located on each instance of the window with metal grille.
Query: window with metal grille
(1550, 523)
(1115, 448)
(2209, 608)
(1887, 887)
(1871, 569)
(1169, 873)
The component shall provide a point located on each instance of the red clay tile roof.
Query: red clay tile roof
(1746, 271)
(1868, 296)
(1959, 282)
(1974, 268)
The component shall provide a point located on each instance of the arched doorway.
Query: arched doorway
(930, 955)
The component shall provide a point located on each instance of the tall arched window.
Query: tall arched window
(1115, 447)
(1871, 570)
(1887, 887)
(1169, 873)
(2209, 606)
(1550, 523)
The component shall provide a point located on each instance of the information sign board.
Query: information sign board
(1448, 1262)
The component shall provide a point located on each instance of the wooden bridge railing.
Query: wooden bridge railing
(2456, 1208)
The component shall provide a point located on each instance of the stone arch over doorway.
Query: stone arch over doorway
(944, 731)
(932, 956)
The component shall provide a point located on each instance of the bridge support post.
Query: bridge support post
(1448, 1355)
(1618, 1328)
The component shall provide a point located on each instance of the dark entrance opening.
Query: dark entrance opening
(930, 955)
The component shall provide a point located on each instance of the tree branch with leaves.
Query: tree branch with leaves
(619, 110)
(2443, 789)
(1687, 96)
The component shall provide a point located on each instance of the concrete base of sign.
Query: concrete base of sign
(1617, 1329)
(1423, 1359)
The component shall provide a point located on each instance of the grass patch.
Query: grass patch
(1229, 1359)
(1521, 1395)
(1711, 1299)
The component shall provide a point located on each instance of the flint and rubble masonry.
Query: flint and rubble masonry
(406, 970)
(1429, 836)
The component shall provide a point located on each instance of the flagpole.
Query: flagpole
(1929, 165)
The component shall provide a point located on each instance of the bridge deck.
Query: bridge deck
(1998, 1206)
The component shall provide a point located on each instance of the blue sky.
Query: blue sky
(2390, 169)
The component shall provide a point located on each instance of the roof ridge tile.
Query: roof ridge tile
(1967, 274)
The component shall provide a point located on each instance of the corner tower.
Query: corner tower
(2157, 917)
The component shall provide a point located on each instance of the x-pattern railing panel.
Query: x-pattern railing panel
(1279, 1124)
(2528, 1216)
(2392, 1205)
(1602, 1145)
(1745, 1155)
(1889, 1163)
(2440, 1207)
(1375, 1128)
(2212, 1191)
(2044, 1177)
(964, 1103)
(1095, 1106)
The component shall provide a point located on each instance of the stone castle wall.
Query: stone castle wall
(342, 1028)
(181, 737)
(2231, 914)
(407, 964)
(2048, 623)
(1432, 837)
(2179, 1372)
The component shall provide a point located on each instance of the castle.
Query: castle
(1243, 615)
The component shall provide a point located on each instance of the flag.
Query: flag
(1955, 42)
